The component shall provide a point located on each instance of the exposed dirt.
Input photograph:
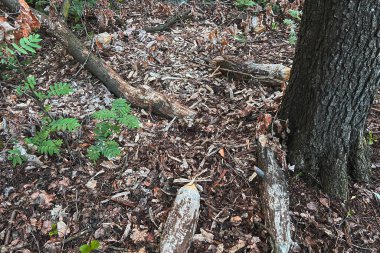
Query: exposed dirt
(71, 190)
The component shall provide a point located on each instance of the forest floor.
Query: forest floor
(70, 190)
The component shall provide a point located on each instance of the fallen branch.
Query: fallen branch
(275, 199)
(171, 21)
(182, 221)
(143, 97)
(267, 74)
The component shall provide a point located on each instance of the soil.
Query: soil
(71, 192)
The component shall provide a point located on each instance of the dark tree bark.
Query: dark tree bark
(332, 85)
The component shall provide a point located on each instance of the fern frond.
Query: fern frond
(121, 106)
(27, 44)
(59, 89)
(93, 153)
(38, 138)
(49, 147)
(63, 124)
(111, 149)
(16, 157)
(130, 121)
(104, 114)
(30, 83)
(105, 129)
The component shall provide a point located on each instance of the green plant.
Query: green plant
(371, 138)
(50, 126)
(242, 4)
(296, 14)
(54, 230)
(240, 38)
(292, 33)
(16, 157)
(87, 248)
(26, 46)
(78, 7)
(43, 139)
(274, 25)
(111, 123)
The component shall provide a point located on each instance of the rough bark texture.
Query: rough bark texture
(333, 81)
(143, 97)
(268, 74)
(274, 197)
(182, 221)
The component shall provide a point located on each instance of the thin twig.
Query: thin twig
(9, 229)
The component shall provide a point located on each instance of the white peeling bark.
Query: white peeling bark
(182, 221)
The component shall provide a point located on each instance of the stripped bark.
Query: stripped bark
(275, 198)
(266, 74)
(182, 221)
(143, 97)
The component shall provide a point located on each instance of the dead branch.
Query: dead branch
(275, 199)
(267, 74)
(143, 97)
(171, 21)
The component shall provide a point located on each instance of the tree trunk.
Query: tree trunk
(332, 85)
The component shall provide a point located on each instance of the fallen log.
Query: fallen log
(143, 97)
(267, 74)
(182, 221)
(275, 198)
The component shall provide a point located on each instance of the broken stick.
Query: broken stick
(143, 97)
(168, 23)
(275, 198)
(267, 74)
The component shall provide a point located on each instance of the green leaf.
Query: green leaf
(104, 114)
(105, 129)
(63, 124)
(93, 153)
(111, 149)
(288, 22)
(19, 49)
(24, 43)
(85, 248)
(120, 106)
(59, 89)
(94, 244)
(15, 156)
(130, 121)
(49, 147)
(10, 51)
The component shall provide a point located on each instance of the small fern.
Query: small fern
(110, 125)
(16, 157)
(59, 90)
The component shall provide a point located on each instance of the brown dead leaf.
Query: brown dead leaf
(42, 198)
(221, 152)
(236, 220)
(325, 202)
(138, 235)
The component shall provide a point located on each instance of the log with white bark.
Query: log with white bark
(274, 197)
(182, 221)
(143, 97)
(267, 74)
